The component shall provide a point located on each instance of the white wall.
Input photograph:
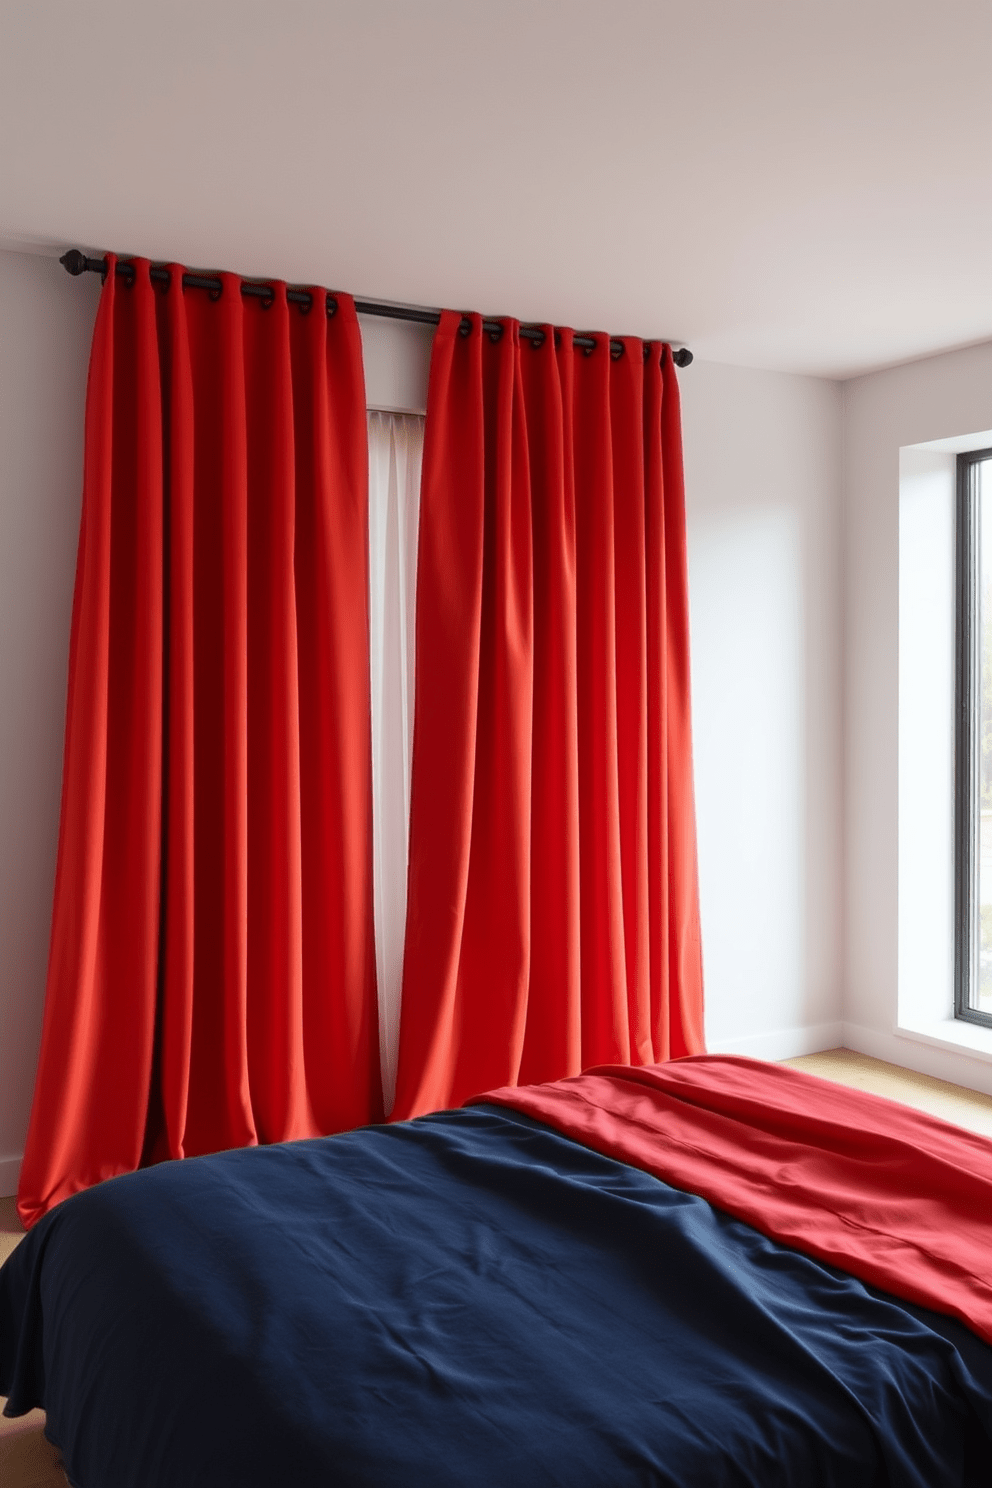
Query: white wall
(935, 399)
(762, 462)
(45, 327)
(762, 453)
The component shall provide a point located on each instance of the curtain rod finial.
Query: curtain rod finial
(681, 358)
(74, 262)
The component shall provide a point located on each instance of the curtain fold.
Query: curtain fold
(553, 918)
(212, 972)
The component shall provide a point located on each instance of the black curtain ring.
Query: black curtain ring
(332, 307)
(215, 294)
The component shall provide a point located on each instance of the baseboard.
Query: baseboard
(926, 1059)
(10, 1172)
(783, 1043)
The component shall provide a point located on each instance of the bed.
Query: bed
(713, 1272)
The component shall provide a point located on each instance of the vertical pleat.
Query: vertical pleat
(684, 941)
(657, 709)
(627, 442)
(219, 1110)
(212, 972)
(553, 1045)
(233, 487)
(341, 1027)
(131, 869)
(605, 1021)
(179, 898)
(491, 990)
(277, 1072)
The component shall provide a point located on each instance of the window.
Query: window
(973, 741)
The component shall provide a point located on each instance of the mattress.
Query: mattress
(475, 1297)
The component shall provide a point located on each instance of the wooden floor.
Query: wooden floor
(28, 1461)
(950, 1102)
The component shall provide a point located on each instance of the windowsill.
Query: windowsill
(952, 1033)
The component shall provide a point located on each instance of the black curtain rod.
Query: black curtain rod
(76, 263)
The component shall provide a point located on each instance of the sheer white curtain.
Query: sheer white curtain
(396, 443)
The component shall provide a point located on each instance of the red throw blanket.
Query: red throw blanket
(895, 1197)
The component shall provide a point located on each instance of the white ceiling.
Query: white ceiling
(794, 184)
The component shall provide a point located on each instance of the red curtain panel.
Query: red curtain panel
(212, 973)
(553, 917)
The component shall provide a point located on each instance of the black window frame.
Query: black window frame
(967, 740)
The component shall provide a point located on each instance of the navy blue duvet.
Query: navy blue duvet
(468, 1299)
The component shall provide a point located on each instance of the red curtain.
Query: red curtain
(553, 918)
(212, 973)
